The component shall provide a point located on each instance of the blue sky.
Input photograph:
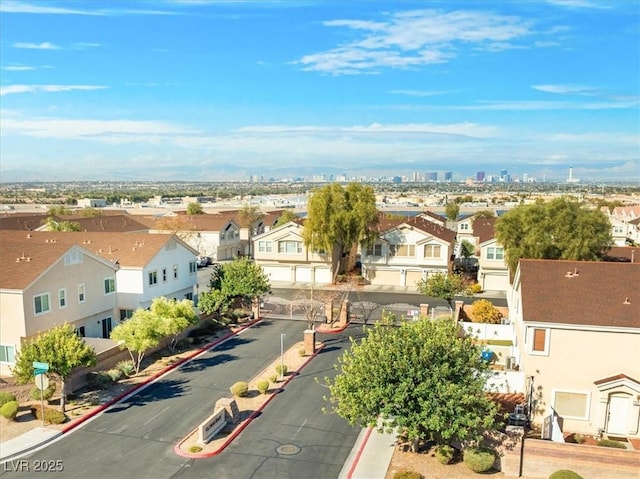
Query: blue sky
(218, 90)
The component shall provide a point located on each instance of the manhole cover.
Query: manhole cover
(288, 449)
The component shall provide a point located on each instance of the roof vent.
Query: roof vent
(17, 260)
(626, 301)
(28, 235)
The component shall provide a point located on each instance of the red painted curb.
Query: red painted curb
(72, 425)
(354, 464)
(245, 423)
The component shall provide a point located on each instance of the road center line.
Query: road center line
(154, 417)
(300, 428)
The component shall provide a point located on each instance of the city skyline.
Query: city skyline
(217, 90)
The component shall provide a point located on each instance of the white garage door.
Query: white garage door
(496, 281)
(303, 274)
(323, 275)
(278, 273)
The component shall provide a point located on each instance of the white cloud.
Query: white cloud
(416, 38)
(9, 6)
(567, 89)
(420, 93)
(579, 4)
(17, 68)
(36, 46)
(13, 89)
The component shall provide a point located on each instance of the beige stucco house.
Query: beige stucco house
(577, 330)
(284, 258)
(406, 251)
(44, 283)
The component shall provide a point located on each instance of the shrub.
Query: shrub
(565, 474)
(302, 353)
(483, 311)
(407, 475)
(6, 397)
(115, 374)
(262, 386)
(9, 410)
(195, 449)
(240, 389)
(99, 379)
(47, 394)
(127, 368)
(479, 460)
(281, 369)
(579, 438)
(52, 416)
(444, 454)
(611, 443)
(274, 378)
(475, 288)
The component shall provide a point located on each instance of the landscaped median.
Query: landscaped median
(248, 406)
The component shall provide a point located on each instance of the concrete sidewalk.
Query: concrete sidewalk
(27, 442)
(370, 456)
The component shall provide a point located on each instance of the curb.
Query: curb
(245, 423)
(15, 455)
(320, 329)
(92, 414)
(356, 459)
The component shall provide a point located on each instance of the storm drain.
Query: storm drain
(288, 449)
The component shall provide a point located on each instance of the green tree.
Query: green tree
(175, 317)
(240, 279)
(143, 330)
(443, 285)
(249, 216)
(451, 211)
(483, 311)
(90, 212)
(338, 219)
(484, 214)
(58, 210)
(467, 249)
(62, 349)
(285, 217)
(418, 377)
(194, 208)
(559, 229)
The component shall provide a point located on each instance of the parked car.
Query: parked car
(202, 261)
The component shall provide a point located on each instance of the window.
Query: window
(81, 331)
(72, 257)
(571, 404)
(81, 296)
(164, 275)
(175, 271)
(495, 253)
(7, 354)
(375, 250)
(189, 296)
(125, 314)
(62, 298)
(192, 267)
(464, 226)
(540, 341)
(109, 285)
(432, 251)
(41, 303)
(153, 278)
(265, 247)
(618, 230)
(290, 247)
(402, 250)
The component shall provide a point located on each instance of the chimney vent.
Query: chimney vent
(626, 301)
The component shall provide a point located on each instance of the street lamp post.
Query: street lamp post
(282, 356)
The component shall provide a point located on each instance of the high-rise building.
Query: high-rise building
(448, 176)
(480, 176)
(432, 176)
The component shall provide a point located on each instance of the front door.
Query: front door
(618, 415)
(106, 328)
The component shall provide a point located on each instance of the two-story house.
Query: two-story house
(406, 251)
(577, 327)
(493, 272)
(284, 257)
(44, 283)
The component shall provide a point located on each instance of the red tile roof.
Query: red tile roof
(425, 225)
(593, 293)
(484, 229)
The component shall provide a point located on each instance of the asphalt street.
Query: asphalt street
(136, 437)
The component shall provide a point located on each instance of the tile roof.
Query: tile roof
(484, 229)
(628, 254)
(116, 223)
(615, 378)
(25, 222)
(388, 223)
(591, 293)
(132, 250)
(204, 222)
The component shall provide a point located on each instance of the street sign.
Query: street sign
(42, 381)
(38, 365)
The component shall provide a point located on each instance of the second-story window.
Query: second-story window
(406, 250)
(290, 247)
(62, 298)
(175, 271)
(375, 250)
(265, 247)
(41, 303)
(164, 275)
(432, 251)
(495, 253)
(153, 278)
(109, 285)
(81, 294)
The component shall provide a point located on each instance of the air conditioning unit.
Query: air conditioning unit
(511, 362)
(505, 321)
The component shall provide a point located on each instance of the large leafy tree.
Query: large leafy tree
(443, 285)
(53, 224)
(451, 211)
(285, 217)
(558, 229)
(419, 378)
(241, 279)
(143, 330)
(194, 208)
(249, 216)
(62, 349)
(338, 219)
